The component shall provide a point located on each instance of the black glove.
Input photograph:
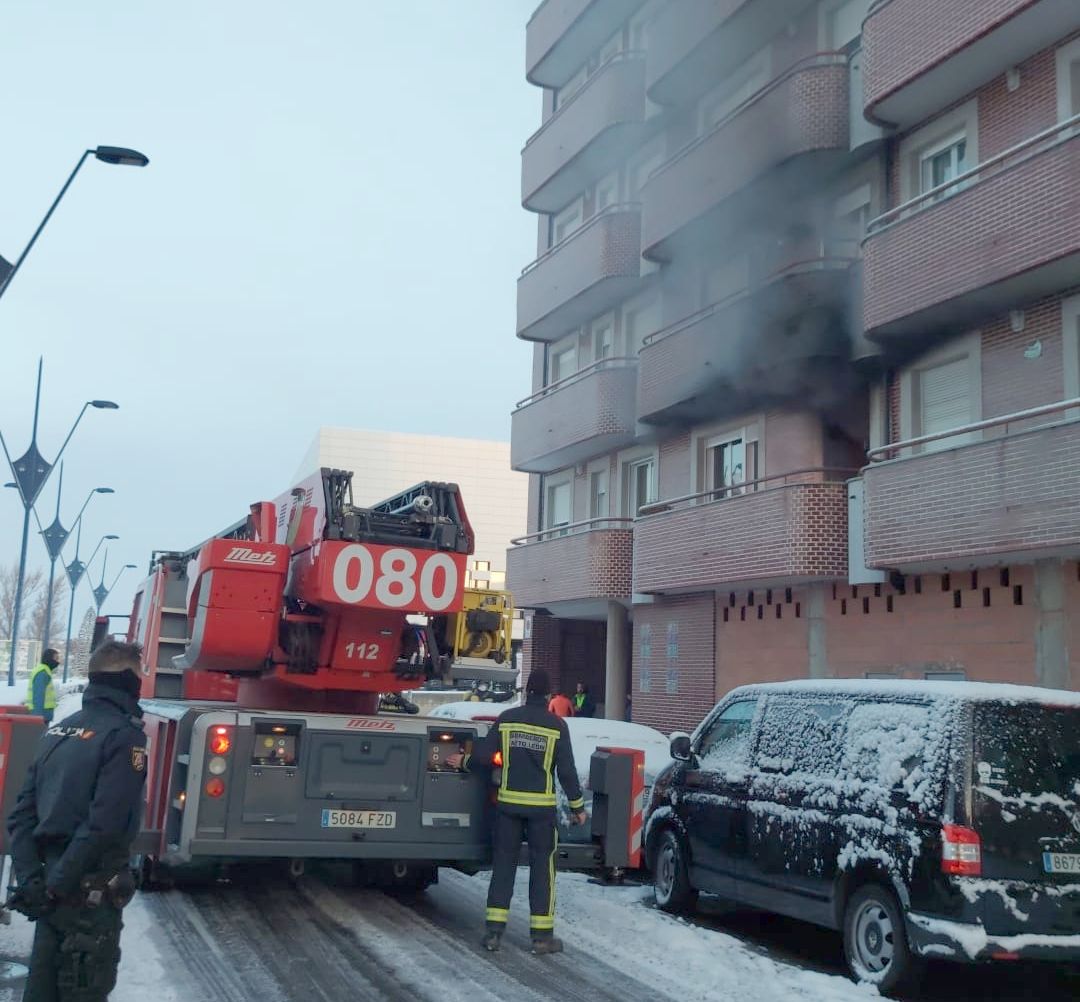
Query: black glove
(32, 899)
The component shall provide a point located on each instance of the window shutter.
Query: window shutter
(945, 397)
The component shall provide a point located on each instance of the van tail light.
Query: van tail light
(961, 851)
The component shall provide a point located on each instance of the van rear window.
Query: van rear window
(1026, 773)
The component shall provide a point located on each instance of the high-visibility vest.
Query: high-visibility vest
(50, 692)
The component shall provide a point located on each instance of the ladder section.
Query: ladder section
(172, 634)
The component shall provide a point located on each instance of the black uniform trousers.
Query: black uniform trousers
(512, 827)
(76, 952)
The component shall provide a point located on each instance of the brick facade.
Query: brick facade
(899, 44)
(591, 565)
(576, 419)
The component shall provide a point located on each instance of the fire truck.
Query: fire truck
(265, 651)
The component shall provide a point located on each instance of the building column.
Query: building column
(617, 663)
(1051, 652)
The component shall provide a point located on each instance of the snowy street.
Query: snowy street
(259, 938)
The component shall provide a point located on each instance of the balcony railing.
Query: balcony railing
(587, 413)
(918, 61)
(595, 267)
(587, 561)
(928, 262)
(1011, 496)
(587, 136)
(785, 527)
(804, 111)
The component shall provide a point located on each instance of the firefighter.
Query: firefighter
(71, 832)
(40, 693)
(531, 744)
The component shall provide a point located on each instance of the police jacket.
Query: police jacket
(530, 745)
(81, 805)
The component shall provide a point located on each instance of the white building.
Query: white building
(385, 463)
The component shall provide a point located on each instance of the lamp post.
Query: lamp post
(106, 154)
(75, 571)
(55, 536)
(30, 473)
(101, 592)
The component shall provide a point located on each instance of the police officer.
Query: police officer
(71, 832)
(40, 693)
(531, 744)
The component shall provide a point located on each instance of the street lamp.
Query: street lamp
(75, 571)
(30, 472)
(101, 592)
(107, 155)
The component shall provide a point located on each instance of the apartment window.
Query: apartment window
(1070, 328)
(598, 494)
(940, 151)
(639, 484)
(640, 319)
(851, 216)
(942, 163)
(1068, 80)
(607, 193)
(740, 86)
(563, 360)
(943, 392)
(565, 222)
(557, 509)
(841, 23)
(570, 88)
(602, 338)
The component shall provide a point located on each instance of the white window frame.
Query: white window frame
(557, 348)
(932, 152)
(879, 414)
(609, 182)
(570, 88)
(847, 205)
(639, 305)
(703, 439)
(970, 345)
(733, 91)
(595, 328)
(826, 12)
(964, 119)
(596, 468)
(626, 461)
(1070, 331)
(575, 209)
(1066, 56)
(551, 482)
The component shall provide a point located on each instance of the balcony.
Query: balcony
(694, 44)
(589, 136)
(573, 574)
(784, 529)
(760, 345)
(916, 61)
(594, 268)
(562, 34)
(795, 130)
(1009, 497)
(584, 415)
(1000, 234)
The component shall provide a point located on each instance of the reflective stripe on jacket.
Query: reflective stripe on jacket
(50, 691)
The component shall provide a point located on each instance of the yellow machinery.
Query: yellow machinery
(482, 628)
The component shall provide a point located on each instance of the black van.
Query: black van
(923, 819)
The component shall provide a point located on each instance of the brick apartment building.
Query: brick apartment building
(806, 319)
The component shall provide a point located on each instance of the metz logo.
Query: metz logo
(246, 555)
(368, 724)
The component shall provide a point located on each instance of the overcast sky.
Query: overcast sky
(328, 233)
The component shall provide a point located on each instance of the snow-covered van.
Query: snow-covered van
(923, 819)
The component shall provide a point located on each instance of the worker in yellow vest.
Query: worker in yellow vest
(40, 693)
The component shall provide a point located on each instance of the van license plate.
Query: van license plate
(1061, 862)
(359, 819)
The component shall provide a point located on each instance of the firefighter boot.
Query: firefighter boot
(546, 944)
(492, 940)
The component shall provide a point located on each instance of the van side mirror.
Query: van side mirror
(680, 746)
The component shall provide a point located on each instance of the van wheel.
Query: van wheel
(875, 944)
(671, 882)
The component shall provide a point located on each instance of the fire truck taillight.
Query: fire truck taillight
(220, 740)
(496, 759)
(216, 766)
(215, 787)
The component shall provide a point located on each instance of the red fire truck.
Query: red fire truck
(266, 649)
